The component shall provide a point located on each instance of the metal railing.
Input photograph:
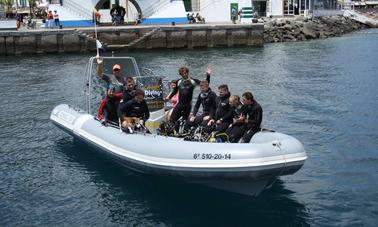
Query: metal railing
(207, 3)
(155, 7)
(78, 9)
(325, 13)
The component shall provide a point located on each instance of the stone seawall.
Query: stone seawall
(300, 28)
(127, 37)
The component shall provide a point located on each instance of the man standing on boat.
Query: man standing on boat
(185, 87)
(115, 79)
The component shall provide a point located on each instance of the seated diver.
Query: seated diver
(237, 128)
(206, 98)
(249, 121)
(254, 115)
(223, 112)
(135, 112)
(129, 90)
(107, 112)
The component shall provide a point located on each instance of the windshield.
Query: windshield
(95, 87)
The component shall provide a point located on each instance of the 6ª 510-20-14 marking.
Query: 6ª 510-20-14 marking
(211, 156)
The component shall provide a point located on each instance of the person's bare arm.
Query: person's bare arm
(100, 66)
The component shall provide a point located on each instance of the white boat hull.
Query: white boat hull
(239, 167)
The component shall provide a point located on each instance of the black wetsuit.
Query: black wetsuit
(108, 109)
(238, 128)
(135, 109)
(127, 95)
(185, 88)
(208, 102)
(254, 114)
(223, 113)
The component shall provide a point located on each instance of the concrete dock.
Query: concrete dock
(189, 36)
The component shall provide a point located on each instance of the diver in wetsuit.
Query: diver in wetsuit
(129, 90)
(223, 113)
(249, 122)
(206, 98)
(254, 114)
(237, 128)
(185, 86)
(134, 110)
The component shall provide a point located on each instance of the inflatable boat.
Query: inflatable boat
(245, 168)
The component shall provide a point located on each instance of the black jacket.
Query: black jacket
(238, 112)
(127, 95)
(185, 87)
(134, 109)
(223, 111)
(253, 115)
(208, 101)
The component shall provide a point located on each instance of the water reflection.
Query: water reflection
(126, 197)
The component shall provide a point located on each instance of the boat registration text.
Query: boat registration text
(211, 156)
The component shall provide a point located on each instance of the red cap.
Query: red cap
(116, 66)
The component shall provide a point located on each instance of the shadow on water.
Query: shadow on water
(130, 197)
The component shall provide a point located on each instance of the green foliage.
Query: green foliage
(8, 5)
(32, 3)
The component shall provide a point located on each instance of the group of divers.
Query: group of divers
(224, 117)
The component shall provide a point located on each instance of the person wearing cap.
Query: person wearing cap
(114, 79)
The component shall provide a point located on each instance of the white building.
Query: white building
(73, 12)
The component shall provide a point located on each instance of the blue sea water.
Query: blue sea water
(323, 92)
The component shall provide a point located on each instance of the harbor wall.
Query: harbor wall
(147, 37)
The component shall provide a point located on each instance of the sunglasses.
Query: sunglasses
(116, 69)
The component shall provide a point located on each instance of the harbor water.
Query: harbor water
(322, 92)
